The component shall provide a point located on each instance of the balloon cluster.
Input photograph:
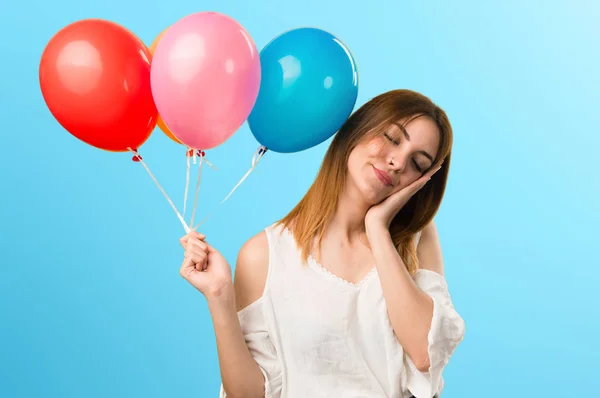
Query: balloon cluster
(198, 81)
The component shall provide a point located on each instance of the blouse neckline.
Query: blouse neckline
(315, 265)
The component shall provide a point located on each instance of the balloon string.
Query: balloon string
(179, 216)
(187, 183)
(209, 164)
(197, 189)
(260, 152)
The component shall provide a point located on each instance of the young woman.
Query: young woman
(346, 296)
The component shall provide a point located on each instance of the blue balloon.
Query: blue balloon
(309, 86)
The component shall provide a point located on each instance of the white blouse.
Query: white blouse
(314, 334)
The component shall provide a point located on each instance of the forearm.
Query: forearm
(409, 308)
(240, 374)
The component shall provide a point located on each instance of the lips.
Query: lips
(383, 177)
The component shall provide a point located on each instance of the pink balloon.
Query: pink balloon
(205, 77)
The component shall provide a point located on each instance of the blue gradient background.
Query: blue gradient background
(91, 302)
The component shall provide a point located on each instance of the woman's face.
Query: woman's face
(383, 165)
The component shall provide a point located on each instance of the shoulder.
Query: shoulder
(429, 250)
(430, 230)
(251, 270)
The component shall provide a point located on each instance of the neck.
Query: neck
(349, 218)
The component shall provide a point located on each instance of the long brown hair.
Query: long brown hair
(316, 209)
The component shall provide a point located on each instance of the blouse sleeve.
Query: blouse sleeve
(447, 331)
(258, 340)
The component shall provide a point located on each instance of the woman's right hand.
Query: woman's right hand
(204, 267)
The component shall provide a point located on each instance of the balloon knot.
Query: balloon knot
(190, 153)
(201, 153)
(136, 156)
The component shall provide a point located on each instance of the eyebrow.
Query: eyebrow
(405, 133)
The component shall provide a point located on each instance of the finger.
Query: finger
(202, 265)
(417, 184)
(197, 256)
(188, 272)
(421, 182)
(192, 234)
(414, 187)
(434, 170)
(397, 200)
(427, 176)
(196, 234)
(187, 266)
(194, 254)
(197, 244)
(210, 249)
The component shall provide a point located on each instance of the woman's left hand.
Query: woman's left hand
(381, 215)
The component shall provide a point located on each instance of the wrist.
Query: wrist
(380, 240)
(377, 230)
(222, 298)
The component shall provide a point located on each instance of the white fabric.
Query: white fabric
(314, 334)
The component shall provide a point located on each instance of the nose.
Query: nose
(398, 160)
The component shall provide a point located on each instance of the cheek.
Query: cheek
(409, 177)
(375, 147)
(365, 153)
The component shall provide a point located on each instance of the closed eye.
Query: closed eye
(414, 161)
(417, 167)
(392, 140)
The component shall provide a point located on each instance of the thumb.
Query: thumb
(211, 249)
(417, 185)
(402, 195)
(396, 201)
(197, 278)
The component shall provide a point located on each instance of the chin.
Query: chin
(372, 196)
(370, 190)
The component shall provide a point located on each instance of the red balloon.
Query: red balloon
(95, 79)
